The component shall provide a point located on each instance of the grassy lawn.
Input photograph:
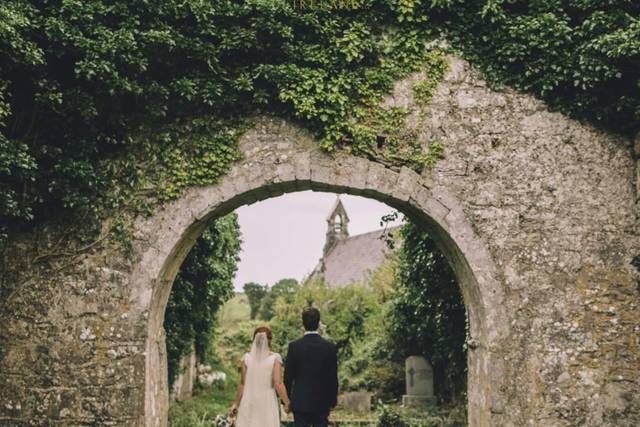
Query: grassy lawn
(209, 402)
(205, 405)
(234, 311)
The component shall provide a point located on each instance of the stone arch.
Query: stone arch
(279, 159)
(537, 212)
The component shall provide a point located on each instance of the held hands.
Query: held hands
(232, 411)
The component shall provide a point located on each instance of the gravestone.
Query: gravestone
(183, 384)
(356, 401)
(419, 380)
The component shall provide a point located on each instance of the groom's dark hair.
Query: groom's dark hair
(311, 318)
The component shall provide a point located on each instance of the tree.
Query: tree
(285, 288)
(255, 293)
(428, 315)
(203, 284)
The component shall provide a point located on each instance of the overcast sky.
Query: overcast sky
(283, 236)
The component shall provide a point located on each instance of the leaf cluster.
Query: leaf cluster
(581, 56)
(262, 299)
(283, 288)
(102, 102)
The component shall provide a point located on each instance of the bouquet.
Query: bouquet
(223, 421)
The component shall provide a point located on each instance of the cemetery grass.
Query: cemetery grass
(201, 410)
(234, 330)
(206, 403)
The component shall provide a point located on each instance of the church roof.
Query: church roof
(352, 259)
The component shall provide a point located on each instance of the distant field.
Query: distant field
(236, 310)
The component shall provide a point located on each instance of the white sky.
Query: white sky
(283, 236)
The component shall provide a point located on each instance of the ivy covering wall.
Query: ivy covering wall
(105, 103)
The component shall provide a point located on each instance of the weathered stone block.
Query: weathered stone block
(356, 401)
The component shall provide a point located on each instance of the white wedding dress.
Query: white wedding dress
(259, 404)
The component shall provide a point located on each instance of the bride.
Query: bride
(256, 402)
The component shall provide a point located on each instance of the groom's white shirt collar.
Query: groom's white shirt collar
(311, 333)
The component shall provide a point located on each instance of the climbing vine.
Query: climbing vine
(113, 105)
(106, 106)
(581, 56)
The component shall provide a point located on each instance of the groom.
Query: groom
(311, 374)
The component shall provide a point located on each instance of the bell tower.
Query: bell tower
(337, 226)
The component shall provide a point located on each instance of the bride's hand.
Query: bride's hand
(232, 410)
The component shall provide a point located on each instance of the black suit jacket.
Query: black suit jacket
(311, 374)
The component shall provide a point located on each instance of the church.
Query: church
(349, 259)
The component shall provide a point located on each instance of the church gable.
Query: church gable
(349, 259)
(354, 259)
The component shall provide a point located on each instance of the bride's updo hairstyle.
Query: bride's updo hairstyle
(266, 330)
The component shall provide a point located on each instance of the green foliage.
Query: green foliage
(284, 288)
(255, 293)
(203, 284)
(232, 343)
(387, 417)
(108, 105)
(582, 57)
(343, 312)
(428, 315)
(206, 404)
(437, 65)
(372, 365)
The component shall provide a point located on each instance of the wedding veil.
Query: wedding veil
(257, 377)
(259, 348)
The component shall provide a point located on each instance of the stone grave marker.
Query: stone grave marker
(419, 380)
(356, 401)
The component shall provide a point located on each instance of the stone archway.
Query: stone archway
(279, 159)
(537, 213)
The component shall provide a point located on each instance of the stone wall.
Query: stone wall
(555, 202)
(536, 212)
